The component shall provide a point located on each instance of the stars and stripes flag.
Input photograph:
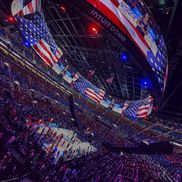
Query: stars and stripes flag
(145, 109)
(25, 7)
(139, 109)
(89, 90)
(35, 31)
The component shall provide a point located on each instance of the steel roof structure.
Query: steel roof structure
(85, 51)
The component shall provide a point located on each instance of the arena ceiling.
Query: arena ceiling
(86, 51)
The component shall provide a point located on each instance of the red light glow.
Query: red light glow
(93, 30)
(11, 19)
(63, 9)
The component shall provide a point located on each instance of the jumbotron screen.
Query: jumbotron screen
(136, 22)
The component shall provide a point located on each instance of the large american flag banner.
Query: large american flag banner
(140, 108)
(36, 33)
(25, 7)
(89, 90)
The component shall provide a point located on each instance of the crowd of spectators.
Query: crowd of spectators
(26, 101)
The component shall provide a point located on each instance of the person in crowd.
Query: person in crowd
(22, 145)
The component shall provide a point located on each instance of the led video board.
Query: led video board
(136, 22)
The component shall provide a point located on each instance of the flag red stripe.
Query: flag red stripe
(99, 96)
(115, 2)
(58, 55)
(143, 108)
(92, 97)
(56, 58)
(142, 115)
(59, 52)
(38, 4)
(47, 50)
(42, 55)
(30, 7)
(20, 13)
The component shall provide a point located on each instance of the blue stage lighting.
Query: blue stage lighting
(124, 57)
(145, 83)
(27, 44)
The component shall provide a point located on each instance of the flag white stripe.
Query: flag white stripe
(38, 51)
(33, 6)
(145, 110)
(91, 94)
(44, 51)
(26, 10)
(57, 56)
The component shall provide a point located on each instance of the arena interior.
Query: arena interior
(90, 91)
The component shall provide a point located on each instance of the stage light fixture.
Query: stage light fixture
(145, 83)
(124, 57)
(27, 44)
(62, 9)
(94, 30)
(10, 19)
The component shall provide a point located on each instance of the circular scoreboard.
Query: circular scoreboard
(132, 24)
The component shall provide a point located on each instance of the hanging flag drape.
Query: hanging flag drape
(89, 90)
(145, 109)
(140, 108)
(25, 7)
(35, 31)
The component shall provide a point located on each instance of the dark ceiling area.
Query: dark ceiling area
(87, 51)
